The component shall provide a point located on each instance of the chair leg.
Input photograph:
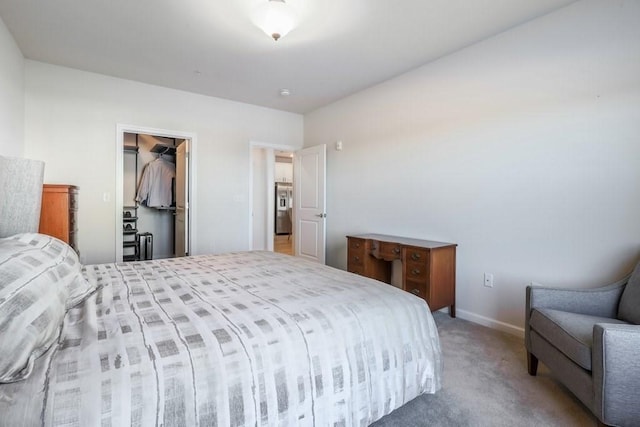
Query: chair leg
(532, 364)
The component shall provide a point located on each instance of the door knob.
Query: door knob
(322, 215)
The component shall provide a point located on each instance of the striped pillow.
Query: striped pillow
(36, 275)
(79, 287)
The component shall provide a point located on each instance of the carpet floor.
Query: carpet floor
(486, 384)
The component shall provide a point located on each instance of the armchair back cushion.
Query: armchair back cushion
(20, 195)
(629, 307)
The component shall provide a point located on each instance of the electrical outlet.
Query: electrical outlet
(488, 280)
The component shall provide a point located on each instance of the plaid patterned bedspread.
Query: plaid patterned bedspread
(241, 339)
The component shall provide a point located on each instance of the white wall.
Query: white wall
(523, 149)
(71, 119)
(11, 95)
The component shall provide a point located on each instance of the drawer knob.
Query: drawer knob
(415, 256)
(357, 245)
(415, 271)
(396, 250)
(357, 258)
(415, 291)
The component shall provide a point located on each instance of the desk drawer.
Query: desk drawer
(416, 254)
(356, 244)
(73, 221)
(389, 250)
(417, 288)
(417, 271)
(73, 241)
(73, 201)
(416, 263)
(356, 256)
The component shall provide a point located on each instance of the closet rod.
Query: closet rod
(164, 149)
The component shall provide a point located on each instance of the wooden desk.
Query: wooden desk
(59, 213)
(428, 267)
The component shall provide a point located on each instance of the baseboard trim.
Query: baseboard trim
(491, 323)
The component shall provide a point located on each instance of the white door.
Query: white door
(310, 173)
(181, 246)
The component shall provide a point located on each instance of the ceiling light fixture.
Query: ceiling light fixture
(276, 18)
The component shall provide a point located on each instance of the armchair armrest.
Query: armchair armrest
(616, 373)
(602, 302)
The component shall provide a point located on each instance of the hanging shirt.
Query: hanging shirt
(156, 184)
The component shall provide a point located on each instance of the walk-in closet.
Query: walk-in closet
(155, 189)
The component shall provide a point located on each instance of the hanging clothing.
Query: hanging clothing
(156, 184)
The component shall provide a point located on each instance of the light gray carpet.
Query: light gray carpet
(486, 384)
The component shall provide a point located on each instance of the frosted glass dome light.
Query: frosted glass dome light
(275, 18)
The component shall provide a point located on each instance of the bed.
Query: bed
(239, 339)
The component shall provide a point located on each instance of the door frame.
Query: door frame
(191, 139)
(269, 188)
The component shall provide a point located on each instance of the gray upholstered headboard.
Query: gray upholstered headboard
(20, 195)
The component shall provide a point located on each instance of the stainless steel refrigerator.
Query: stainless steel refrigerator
(283, 205)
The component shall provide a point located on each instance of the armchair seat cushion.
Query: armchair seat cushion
(570, 333)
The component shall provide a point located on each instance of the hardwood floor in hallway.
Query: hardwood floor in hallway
(283, 244)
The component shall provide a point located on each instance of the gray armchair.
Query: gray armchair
(590, 340)
(20, 195)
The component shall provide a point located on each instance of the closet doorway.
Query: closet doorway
(154, 213)
(271, 198)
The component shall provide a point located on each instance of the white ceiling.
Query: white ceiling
(212, 48)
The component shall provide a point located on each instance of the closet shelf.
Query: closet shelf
(130, 213)
(164, 149)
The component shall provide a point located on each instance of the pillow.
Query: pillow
(629, 306)
(37, 273)
(79, 287)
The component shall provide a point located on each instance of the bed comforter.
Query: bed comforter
(241, 339)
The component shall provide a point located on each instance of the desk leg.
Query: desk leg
(452, 310)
